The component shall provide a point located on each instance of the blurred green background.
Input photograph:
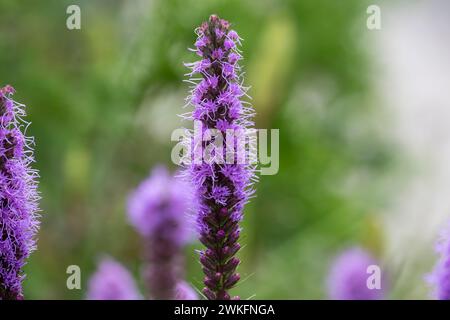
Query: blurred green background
(103, 101)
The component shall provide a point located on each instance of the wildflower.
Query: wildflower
(112, 281)
(222, 190)
(18, 196)
(158, 211)
(348, 277)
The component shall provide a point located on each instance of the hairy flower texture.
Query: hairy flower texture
(112, 281)
(158, 211)
(440, 277)
(18, 196)
(348, 277)
(222, 189)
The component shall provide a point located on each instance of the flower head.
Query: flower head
(112, 281)
(18, 196)
(158, 210)
(348, 277)
(161, 202)
(222, 189)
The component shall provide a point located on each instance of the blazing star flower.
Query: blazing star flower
(222, 189)
(112, 281)
(440, 277)
(158, 211)
(18, 196)
(348, 277)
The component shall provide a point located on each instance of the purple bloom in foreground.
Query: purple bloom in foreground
(112, 281)
(18, 196)
(440, 277)
(222, 189)
(158, 210)
(348, 277)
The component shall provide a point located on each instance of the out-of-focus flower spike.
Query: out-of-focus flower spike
(112, 281)
(158, 209)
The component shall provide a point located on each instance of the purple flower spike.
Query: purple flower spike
(112, 281)
(158, 210)
(18, 196)
(440, 277)
(349, 274)
(222, 189)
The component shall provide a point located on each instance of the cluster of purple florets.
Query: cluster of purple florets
(158, 210)
(18, 196)
(222, 188)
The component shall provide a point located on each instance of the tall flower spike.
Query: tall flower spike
(222, 187)
(348, 277)
(157, 209)
(112, 281)
(18, 196)
(440, 277)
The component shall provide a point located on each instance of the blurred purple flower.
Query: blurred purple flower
(18, 196)
(348, 276)
(112, 281)
(440, 277)
(162, 201)
(158, 209)
(185, 292)
(222, 190)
